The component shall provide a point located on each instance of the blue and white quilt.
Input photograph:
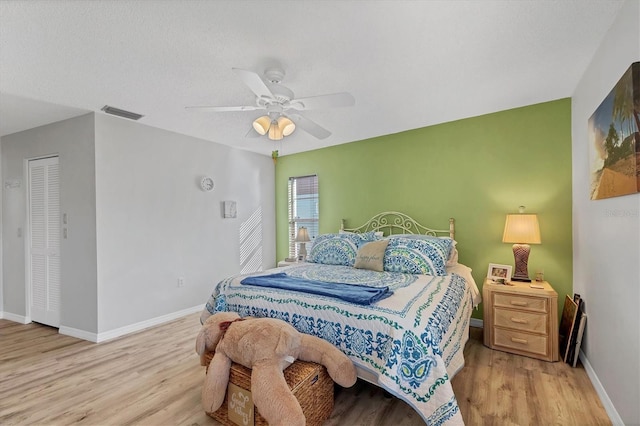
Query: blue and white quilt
(412, 342)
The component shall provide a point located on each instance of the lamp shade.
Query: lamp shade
(275, 132)
(286, 125)
(521, 229)
(261, 124)
(303, 235)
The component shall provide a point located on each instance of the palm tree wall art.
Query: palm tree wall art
(614, 139)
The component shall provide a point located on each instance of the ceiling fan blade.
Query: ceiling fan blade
(309, 126)
(334, 100)
(254, 82)
(222, 108)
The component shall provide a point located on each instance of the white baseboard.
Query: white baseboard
(15, 318)
(476, 322)
(132, 328)
(112, 334)
(77, 333)
(604, 398)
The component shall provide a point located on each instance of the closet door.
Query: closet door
(44, 240)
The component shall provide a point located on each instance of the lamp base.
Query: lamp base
(521, 255)
(302, 253)
(521, 279)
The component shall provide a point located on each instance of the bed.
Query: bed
(409, 342)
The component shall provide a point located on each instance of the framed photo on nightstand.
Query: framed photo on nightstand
(499, 272)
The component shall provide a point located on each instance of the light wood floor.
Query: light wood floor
(153, 378)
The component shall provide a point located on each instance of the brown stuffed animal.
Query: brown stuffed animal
(267, 346)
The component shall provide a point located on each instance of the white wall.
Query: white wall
(72, 141)
(137, 220)
(1, 216)
(606, 236)
(155, 224)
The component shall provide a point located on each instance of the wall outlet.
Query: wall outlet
(180, 281)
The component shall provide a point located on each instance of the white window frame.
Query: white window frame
(302, 190)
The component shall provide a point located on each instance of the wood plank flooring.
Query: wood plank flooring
(154, 377)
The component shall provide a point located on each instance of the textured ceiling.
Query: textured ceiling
(409, 64)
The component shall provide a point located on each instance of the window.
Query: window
(303, 209)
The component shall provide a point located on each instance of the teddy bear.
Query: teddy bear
(267, 346)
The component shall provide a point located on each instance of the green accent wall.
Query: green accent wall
(475, 170)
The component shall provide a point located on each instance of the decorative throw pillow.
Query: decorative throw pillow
(335, 249)
(417, 256)
(371, 256)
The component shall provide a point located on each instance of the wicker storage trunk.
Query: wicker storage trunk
(309, 382)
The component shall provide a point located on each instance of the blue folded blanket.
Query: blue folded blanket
(354, 293)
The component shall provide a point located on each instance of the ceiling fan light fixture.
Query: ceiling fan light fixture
(286, 125)
(275, 132)
(261, 124)
(274, 98)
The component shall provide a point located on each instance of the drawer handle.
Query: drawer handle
(519, 321)
(516, 340)
(516, 303)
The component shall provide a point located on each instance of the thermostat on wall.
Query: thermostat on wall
(230, 209)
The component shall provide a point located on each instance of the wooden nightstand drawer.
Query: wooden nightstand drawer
(525, 303)
(527, 321)
(522, 342)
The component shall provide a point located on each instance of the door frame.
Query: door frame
(26, 234)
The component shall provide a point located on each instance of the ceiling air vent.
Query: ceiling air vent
(121, 113)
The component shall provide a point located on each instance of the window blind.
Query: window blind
(303, 209)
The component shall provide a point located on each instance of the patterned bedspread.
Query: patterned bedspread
(412, 341)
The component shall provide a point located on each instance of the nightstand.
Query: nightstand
(520, 319)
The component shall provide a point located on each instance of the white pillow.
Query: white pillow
(453, 258)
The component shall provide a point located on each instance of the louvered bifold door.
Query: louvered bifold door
(44, 247)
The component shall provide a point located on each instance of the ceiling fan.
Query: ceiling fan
(282, 108)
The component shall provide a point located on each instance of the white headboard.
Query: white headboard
(399, 223)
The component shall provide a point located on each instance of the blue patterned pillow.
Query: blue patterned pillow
(417, 256)
(336, 249)
(368, 236)
(451, 244)
(371, 236)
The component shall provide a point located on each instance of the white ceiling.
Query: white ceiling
(409, 64)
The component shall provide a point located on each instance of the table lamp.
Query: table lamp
(521, 229)
(302, 238)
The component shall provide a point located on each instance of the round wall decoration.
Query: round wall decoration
(206, 184)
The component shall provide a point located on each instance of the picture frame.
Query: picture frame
(567, 324)
(498, 272)
(230, 209)
(614, 140)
